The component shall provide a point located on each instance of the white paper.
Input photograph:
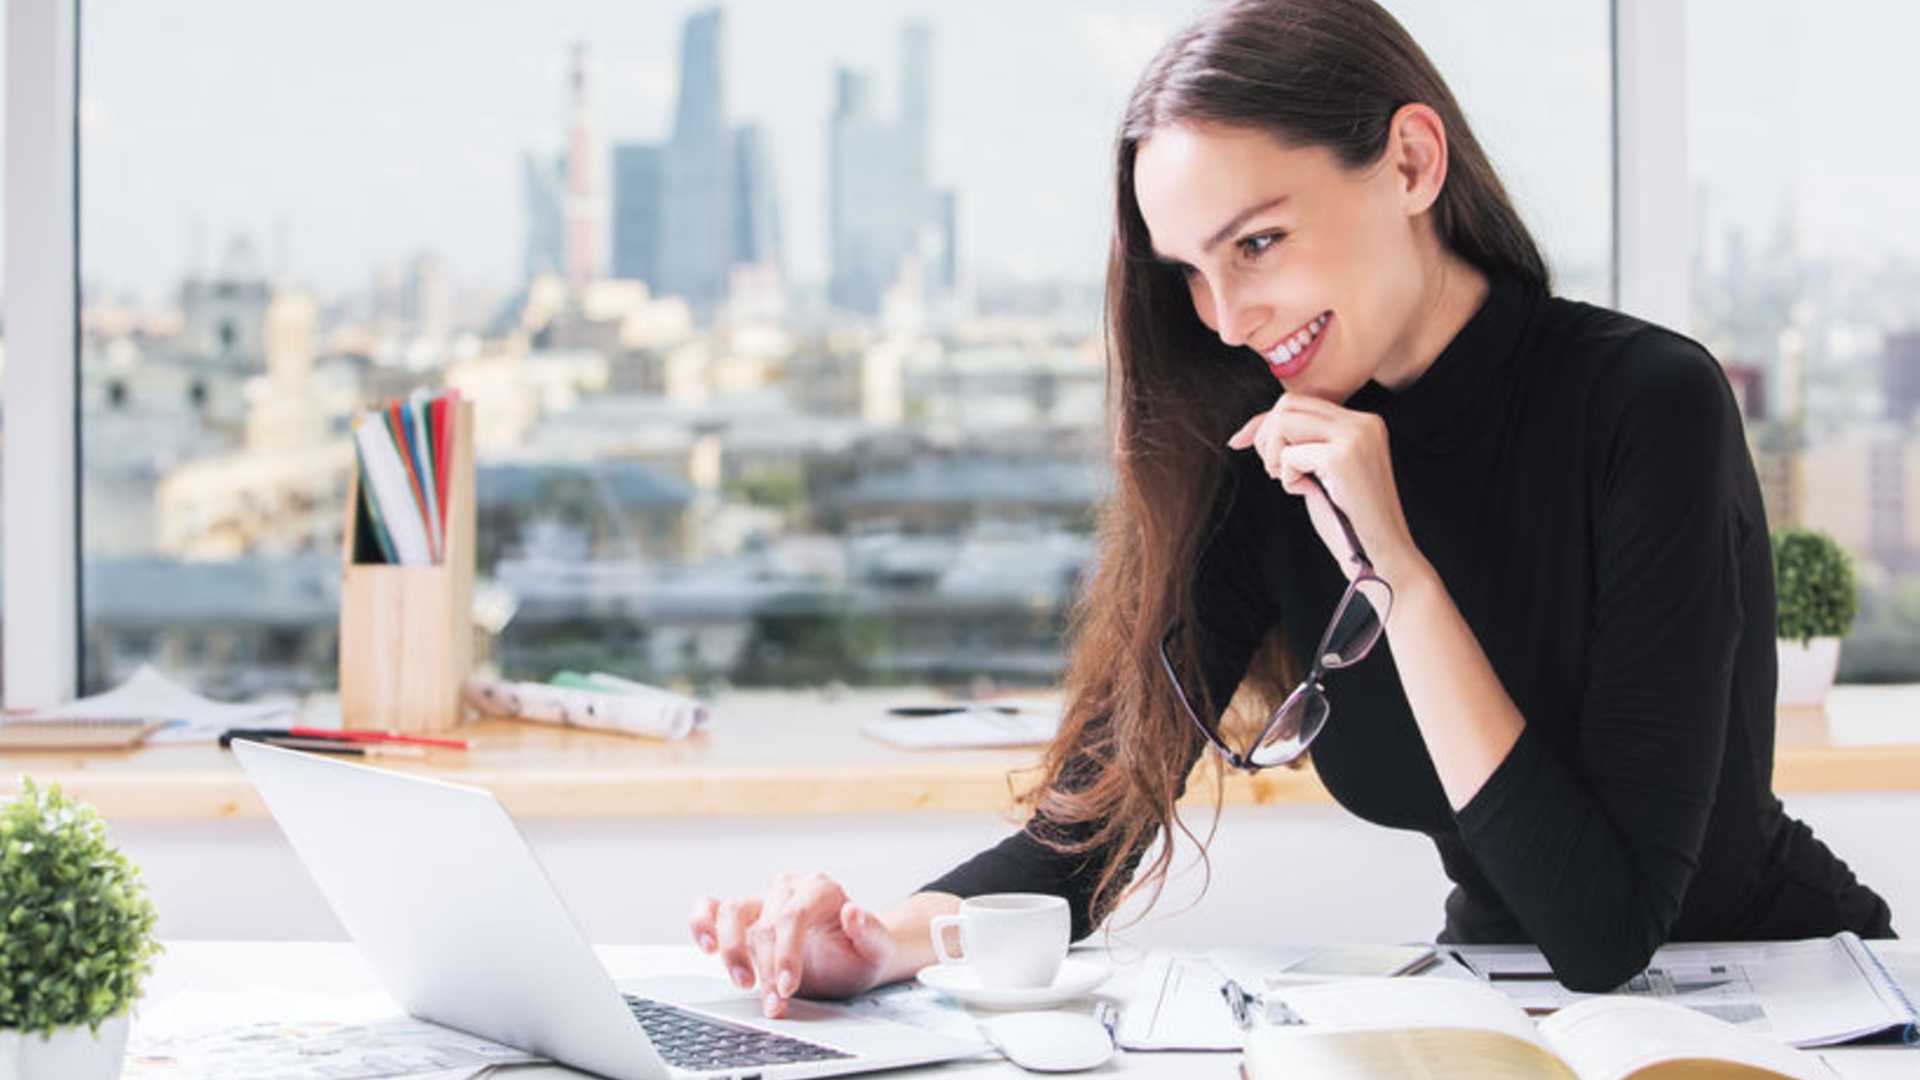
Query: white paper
(909, 1002)
(149, 695)
(1176, 1005)
(1803, 993)
(320, 1050)
(399, 511)
(967, 729)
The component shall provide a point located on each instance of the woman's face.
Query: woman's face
(1328, 260)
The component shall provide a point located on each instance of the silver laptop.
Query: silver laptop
(458, 920)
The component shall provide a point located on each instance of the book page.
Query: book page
(1403, 1004)
(1284, 1053)
(1612, 1038)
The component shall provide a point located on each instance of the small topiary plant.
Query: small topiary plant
(76, 926)
(1813, 580)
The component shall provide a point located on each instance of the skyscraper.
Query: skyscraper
(638, 192)
(696, 227)
(916, 100)
(688, 211)
(1900, 376)
(880, 201)
(863, 182)
(543, 199)
(586, 211)
(947, 213)
(756, 213)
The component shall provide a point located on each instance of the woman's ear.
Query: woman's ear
(1420, 155)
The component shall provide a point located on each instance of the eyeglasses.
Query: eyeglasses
(1357, 623)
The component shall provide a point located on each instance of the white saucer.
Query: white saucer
(1074, 979)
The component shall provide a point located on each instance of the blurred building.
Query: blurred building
(572, 511)
(586, 206)
(884, 220)
(1865, 492)
(233, 628)
(691, 212)
(543, 186)
(225, 311)
(1900, 376)
(696, 225)
(1749, 382)
(639, 184)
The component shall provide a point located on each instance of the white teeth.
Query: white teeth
(1298, 343)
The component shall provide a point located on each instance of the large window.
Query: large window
(781, 319)
(3, 285)
(1806, 280)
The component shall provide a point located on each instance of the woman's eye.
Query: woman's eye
(1254, 247)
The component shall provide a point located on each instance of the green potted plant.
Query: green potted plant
(76, 940)
(1817, 600)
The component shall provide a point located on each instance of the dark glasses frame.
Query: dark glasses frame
(1310, 693)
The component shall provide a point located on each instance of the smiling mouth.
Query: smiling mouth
(1299, 343)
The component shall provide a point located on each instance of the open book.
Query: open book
(1443, 1028)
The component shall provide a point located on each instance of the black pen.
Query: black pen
(947, 710)
(1462, 961)
(327, 746)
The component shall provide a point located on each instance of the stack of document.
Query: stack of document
(404, 449)
(146, 699)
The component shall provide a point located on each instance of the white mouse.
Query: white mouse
(1050, 1041)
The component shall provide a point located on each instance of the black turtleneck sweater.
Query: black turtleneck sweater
(1580, 481)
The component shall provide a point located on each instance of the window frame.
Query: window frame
(42, 472)
(41, 477)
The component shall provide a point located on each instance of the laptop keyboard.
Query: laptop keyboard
(691, 1041)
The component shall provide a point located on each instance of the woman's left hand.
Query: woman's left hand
(1347, 451)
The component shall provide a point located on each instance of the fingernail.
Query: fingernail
(785, 983)
(743, 977)
(706, 942)
(772, 1003)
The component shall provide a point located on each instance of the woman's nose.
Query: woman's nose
(1239, 319)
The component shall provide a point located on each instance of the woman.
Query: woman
(1551, 590)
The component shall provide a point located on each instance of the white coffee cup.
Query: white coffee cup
(1009, 940)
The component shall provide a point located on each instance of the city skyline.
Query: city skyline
(325, 167)
(1774, 121)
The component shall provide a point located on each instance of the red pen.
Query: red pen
(358, 735)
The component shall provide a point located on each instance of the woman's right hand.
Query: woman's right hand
(803, 937)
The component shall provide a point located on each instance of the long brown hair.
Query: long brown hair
(1314, 73)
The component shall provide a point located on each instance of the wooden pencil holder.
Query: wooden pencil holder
(406, 637)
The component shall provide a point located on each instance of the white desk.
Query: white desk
(249, 981)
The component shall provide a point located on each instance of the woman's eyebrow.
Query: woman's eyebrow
(1239, 219)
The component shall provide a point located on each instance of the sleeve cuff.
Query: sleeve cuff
(1508, 777)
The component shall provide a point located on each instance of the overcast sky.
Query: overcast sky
(369, 130)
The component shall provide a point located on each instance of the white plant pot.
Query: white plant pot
(1806, 671)
(70, 1053)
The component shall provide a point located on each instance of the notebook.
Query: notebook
(109, 734)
